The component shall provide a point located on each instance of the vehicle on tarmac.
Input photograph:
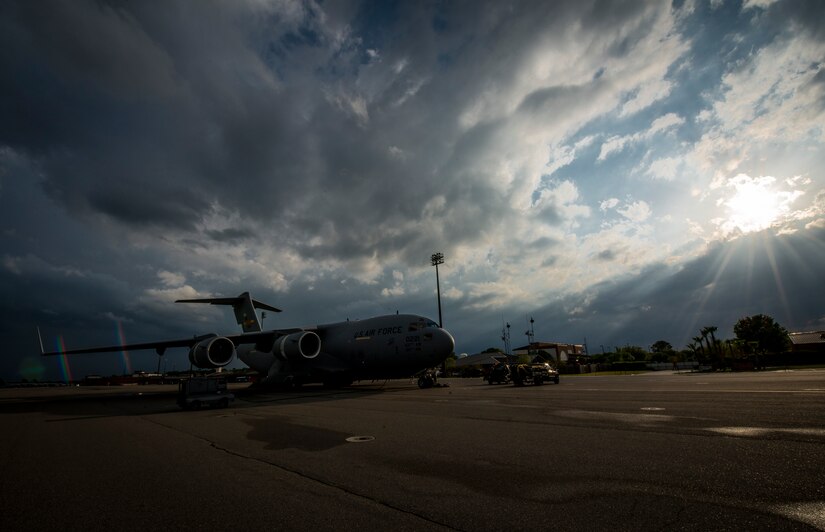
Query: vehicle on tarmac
(522, 374)
(552, 374)
(499, 373)
(535, 373)
(197, 392)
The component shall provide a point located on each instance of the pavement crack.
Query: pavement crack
(343, 489)
(330, 485)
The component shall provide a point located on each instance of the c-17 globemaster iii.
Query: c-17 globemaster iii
(337, 354)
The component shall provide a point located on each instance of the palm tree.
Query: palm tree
(712, 330)
(713, 345)
(698, 341)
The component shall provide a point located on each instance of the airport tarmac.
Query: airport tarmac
(659, 451)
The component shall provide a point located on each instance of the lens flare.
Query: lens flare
(64, 362)
(127, 364)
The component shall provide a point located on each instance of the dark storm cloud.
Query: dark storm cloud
(803, 15)
(221, 134)
(229, 235)
(152, 115)
(61, 57)
(123, 116)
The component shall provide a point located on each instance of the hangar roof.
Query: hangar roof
(806, 338)
(481, 359)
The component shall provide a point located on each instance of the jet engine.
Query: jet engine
(214, 352)
(298, 346)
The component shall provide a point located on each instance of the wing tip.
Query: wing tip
(40, 340)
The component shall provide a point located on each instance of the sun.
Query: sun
(754, 205)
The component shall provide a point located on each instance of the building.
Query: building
(808, 342)
(480, 363)
(483, 359)
(560, 353)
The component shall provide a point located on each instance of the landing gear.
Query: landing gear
(427, 380)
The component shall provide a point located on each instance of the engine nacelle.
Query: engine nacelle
(298, 346)
(215, 352)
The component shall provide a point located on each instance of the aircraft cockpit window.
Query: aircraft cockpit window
(422, 324)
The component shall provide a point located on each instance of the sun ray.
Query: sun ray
(792, 254)
(720, 266)
(777, 278)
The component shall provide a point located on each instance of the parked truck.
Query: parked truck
(536, 373)
(520, 374)
(499, 373)
(197, 392)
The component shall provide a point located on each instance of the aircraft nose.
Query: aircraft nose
(445, 344)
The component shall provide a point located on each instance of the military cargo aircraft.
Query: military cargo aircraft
(336, 354)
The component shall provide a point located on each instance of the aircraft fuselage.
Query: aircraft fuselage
(384, 347)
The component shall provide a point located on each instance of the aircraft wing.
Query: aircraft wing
(158, 346)
(161, 346)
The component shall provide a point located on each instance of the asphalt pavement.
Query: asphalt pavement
(658, 451)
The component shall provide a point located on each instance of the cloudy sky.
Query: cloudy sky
(622, 172)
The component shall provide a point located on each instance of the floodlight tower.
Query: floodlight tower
(531, 334)
(505, 337)
(438, 258)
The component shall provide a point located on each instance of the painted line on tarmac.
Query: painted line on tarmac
(360, 439)
(614, 416)
(756, 432)
(812, 513)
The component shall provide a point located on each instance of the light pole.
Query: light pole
(530, 337)
(438, 258)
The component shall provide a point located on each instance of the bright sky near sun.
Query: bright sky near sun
(624, 173)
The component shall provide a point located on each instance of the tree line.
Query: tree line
(756, 336)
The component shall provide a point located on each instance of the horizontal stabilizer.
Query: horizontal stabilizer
(244, 307)
(231, 301)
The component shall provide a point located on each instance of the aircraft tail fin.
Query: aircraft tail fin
(244, 307)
